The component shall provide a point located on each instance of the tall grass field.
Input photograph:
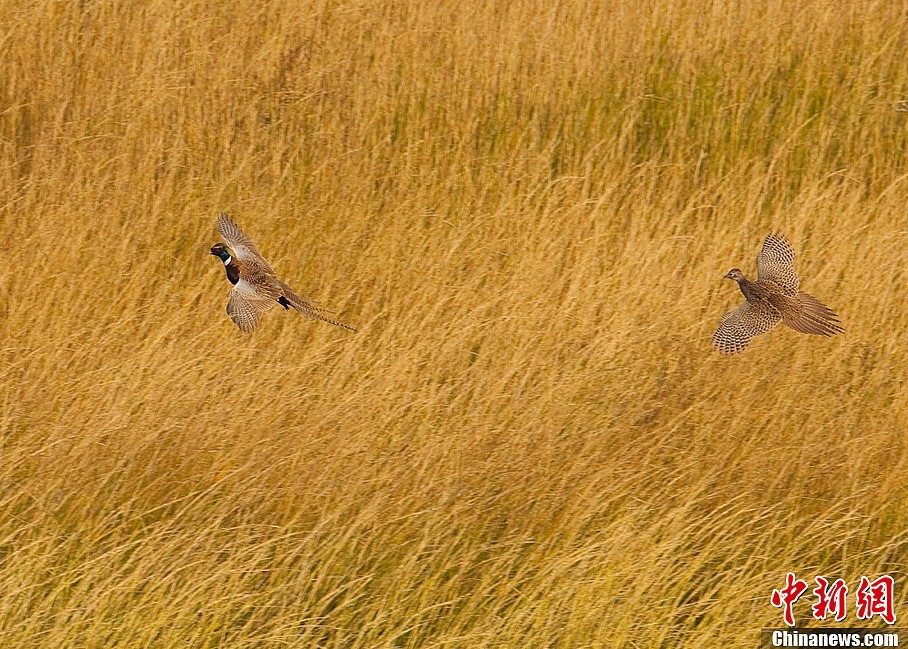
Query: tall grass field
(527, 209)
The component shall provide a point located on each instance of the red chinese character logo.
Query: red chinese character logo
(830, 599)
(875, 598)
(787, 596)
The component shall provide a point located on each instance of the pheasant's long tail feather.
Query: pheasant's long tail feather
(307, 309)
(807, 314)
(319, 316)
(321, 309)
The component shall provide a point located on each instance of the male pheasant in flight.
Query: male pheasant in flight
(773, 297)
(256, 287)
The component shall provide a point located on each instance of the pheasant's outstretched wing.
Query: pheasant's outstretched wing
(305, 307)
(775, 263)
(739, 326)
(245, 308)
(237, 240)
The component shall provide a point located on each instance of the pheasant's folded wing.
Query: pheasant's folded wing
(246, 308)
(739, 326)
(237, 240)
(775, 263)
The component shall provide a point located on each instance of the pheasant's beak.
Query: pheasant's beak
(214, 251)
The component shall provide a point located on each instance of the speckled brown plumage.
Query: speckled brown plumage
(256, 287)
(773, 297)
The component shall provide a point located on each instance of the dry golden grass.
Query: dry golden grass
(527, 209)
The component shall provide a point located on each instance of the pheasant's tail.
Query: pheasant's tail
(807, 314)
(321, 308)
(319, 316)
(308, 309)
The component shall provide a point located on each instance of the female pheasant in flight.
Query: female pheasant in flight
(773, 297)
(256, 287)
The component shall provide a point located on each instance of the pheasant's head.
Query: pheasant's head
(735, 274)
(222, 252)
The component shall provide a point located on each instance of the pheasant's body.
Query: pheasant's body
(256, 287)
(772, 298)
